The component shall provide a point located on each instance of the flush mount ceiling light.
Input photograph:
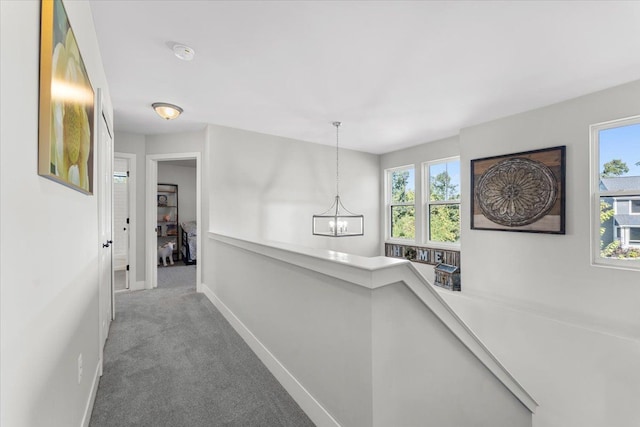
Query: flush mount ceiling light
(183, 52)
(167, 111)
(337, 221)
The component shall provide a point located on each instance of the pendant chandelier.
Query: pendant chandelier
(337, 221)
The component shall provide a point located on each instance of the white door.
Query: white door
(121, 224)
(105, 203)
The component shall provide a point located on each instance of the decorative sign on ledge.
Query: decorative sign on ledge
(447, 262)
(421, 254)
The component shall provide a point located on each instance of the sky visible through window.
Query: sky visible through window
(411, 186)
(453, 169)
(621, 143)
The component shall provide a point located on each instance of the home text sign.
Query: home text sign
(422, 254)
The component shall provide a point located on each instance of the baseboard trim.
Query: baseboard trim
(137, 286)
(314, 410)
(86, 418)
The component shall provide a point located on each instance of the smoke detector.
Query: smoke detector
(183, 52)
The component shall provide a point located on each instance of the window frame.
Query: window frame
(389, 205)
(597, 194)
(631, 200)
(427, 202)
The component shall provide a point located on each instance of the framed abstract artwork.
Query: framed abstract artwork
(66, 122)
(522, 192)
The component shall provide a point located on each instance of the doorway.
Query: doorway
(124, 208)
(157, 223)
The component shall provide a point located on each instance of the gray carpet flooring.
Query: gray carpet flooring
(173, 360)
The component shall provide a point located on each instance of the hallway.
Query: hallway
(173, 360)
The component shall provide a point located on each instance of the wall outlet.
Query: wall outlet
(80, 368)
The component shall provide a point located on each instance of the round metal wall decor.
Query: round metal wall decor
(516, 192)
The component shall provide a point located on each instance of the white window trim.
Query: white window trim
(426, 202)
(596, 194)
(388, 204)
(634, 243)
(631, 200)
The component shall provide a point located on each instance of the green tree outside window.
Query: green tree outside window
(444, 217)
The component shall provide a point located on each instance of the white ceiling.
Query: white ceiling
(395, 73)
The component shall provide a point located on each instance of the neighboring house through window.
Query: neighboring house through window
(616, 194)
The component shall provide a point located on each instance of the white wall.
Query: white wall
(268, 188)
(580, 377)
(424, 375)
(49, 245)
(185, 178)
(549, 277)
(317, 327)
(554, 272)
(365, 340)
(568, 331)
(132, 143)
(186, 142)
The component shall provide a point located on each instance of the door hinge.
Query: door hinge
(127, 174)
(127, 220)
(127, 267)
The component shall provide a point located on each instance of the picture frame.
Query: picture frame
(67, 104)
(522, 192)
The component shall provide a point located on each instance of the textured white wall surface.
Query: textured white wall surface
(268, 188)
(548, 278)
(367, 339)
(49, 244)
(567, 330)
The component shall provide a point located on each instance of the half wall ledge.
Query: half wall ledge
(377, 272)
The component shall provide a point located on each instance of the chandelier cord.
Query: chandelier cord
(337, 125)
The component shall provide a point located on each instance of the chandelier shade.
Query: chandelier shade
(338, 221)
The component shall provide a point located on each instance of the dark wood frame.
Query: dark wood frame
(555, 159)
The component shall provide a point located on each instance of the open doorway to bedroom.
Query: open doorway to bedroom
(177, 225)
(173, 218)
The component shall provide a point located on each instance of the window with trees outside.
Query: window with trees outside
(616, 193)
(442, 196)
(401, 199)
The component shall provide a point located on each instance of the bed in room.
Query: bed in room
(189, 232)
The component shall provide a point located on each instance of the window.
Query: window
(401, 199)
(616, 193)
(442, 206)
